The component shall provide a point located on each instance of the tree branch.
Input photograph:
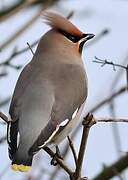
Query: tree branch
(59, 161)
(87, 123)
(22, 4)
(72, 149)
(108, 99)
(113, 120)
(20, 31)
(108, 172)
(4, 117)
(104, 62)
(92, 110)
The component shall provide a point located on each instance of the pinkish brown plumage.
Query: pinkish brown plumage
(59, 22)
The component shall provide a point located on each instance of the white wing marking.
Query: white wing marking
(9, 126)
(53, 134)
(49, 139)
(63, 123)
(74, 114)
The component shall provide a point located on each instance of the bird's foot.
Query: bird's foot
(57, 155)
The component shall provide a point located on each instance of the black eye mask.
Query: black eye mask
(69, 36)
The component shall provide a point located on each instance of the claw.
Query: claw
(57, 155)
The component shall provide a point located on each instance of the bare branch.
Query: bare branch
(115, 130)
(87, 123)
(8, 61)
(16, 53)
(21, 4)
(118, 174)
(108, 172)
(59, 161)
(72, 149)
(20, 31)
(113, 120)
(92, 110)
(30, 48)
(5, 14)
(69, 16)
(105, 62)
(108, 99)
(118, 75)
(4, 117)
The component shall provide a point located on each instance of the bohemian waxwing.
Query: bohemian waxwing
(49, 94)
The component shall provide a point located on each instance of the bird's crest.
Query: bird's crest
(61, 23)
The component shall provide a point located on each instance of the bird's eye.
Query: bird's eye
(69, 36)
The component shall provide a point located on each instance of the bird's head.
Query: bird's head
(67, 32)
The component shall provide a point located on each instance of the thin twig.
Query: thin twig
(115, 130)
(16, 53)
(4, 117)
(30, 48)
(87, 123)
(5, 14)
(20, 31)
(108, 172)
(117, 174)
(113, 120)
(59, 161)
(105, 62)
(118, 75)
(97, 106)
(72, 149)
(69, 16)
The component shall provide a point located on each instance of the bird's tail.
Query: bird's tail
(19, 163)
(12, 132)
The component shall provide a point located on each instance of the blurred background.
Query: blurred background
(20, 22)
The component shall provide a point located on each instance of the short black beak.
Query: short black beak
(87, 37)
(84, 38)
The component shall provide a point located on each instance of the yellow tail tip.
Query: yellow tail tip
(21, 167)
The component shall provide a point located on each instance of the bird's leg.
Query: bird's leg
(58, 152)
(58, 155)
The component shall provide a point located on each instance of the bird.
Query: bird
(50, 92)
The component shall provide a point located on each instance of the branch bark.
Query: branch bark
(108, 172)
(59, 161)
(87, 123)
(73, 150)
